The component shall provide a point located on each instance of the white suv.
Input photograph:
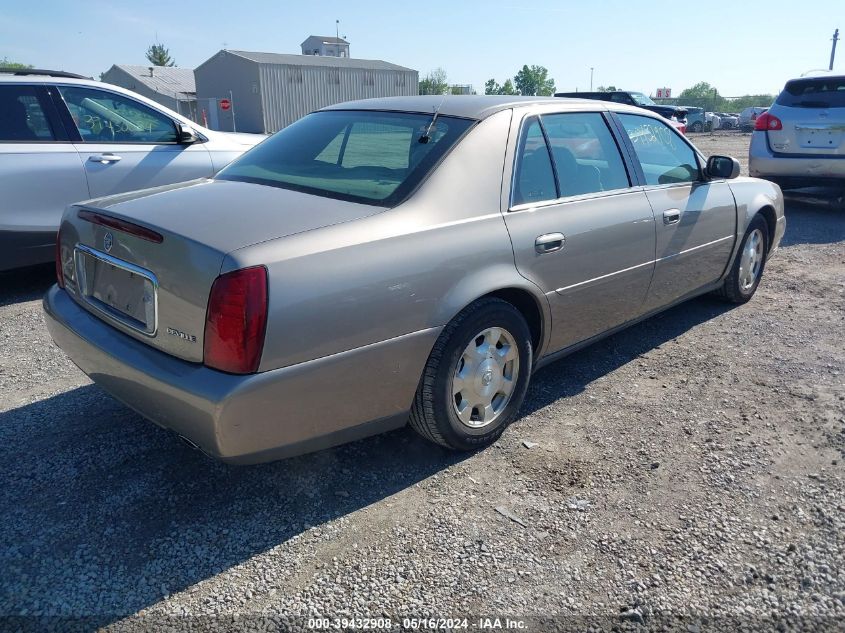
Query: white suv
(800, 141)
(64, 138)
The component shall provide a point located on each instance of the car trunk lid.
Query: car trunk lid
(145, 262)
(809, 131)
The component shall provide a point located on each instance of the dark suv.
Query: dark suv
(630, 98)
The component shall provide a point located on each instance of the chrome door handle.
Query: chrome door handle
(671, 216)
(549, 243)
(104, 159)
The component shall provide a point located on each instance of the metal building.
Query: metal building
(268, 91)
(170, 86)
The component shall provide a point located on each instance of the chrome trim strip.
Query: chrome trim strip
(594, 279)
(648, 263)
(82, 284)
(694, 248)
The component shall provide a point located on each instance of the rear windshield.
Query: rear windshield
(818, 92)
(362, 156)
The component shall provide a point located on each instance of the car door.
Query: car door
(125, 144)
(40, 172)
(578, 228)
(696, 217)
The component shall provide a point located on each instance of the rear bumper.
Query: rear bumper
(254, 418)
(26, 248)
(791, 172)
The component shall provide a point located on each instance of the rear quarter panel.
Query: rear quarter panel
(403, 270)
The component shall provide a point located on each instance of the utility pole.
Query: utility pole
(591, 78)
(833, 48)
(337, 29)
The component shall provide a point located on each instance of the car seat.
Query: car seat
(13, 121)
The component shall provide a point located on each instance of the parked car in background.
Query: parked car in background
(695, 118)
(631, 98)
(728, 121)
(748, 117)
(800, 140)
(406, 258)
(712, 120)
(64, 138)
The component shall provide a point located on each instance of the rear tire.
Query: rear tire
(747, 269)
(697, 127)
(476, 377)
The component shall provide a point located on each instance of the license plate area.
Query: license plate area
(117, 289)
(819, 137)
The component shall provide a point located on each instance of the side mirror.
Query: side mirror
(719, 167)
(186, 134)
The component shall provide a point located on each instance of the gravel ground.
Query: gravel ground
(686, 473)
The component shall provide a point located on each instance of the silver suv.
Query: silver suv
(800, 141)
(64, 138)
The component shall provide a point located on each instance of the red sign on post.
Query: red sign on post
(225, 104)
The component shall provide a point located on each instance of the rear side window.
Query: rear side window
(107, 117)
(358, 155)
(816, 92)
(22, 118)
(534, 177)
(585, 154)
(665, 158)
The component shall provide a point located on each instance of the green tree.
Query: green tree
(607, 89)
(702, 95)
(534, 80)
(5, 63)
(158, 55)
(434, 83)
(491, 87)
(738, 104)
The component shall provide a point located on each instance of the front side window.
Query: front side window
(358, 155)
(107, 117)
(586, 156)
(22, 118)
(534, 177)
(665, 158)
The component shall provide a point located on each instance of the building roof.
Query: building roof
(166, 80)
(326, 39)
(317, 60)
(467, 106)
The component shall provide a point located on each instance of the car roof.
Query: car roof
(466, 106)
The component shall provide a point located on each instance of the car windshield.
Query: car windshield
(642, 99)
(358, 155)
(818, 92)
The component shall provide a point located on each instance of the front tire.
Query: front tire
(476, 377)
(747, 269)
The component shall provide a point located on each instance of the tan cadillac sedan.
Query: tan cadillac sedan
(394, 260)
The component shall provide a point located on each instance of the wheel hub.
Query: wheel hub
(751, 260)
(484, 377)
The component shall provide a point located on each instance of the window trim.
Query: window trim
(81, 139)
(523, 129)
(48, 109)
(702, 175)
(629, 166)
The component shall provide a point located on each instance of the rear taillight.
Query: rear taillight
(60, 278)
(236, 320)
(768, 122)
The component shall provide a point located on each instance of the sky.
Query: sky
(738, 47)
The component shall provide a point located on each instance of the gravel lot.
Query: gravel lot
(687, 473)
